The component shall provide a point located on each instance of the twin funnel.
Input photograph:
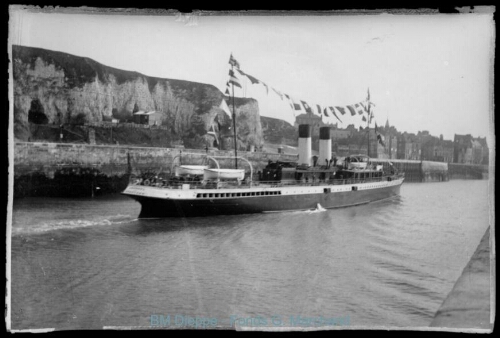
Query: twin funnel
(305, 145)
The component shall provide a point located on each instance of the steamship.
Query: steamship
(310, 183)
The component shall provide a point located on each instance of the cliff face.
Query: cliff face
(58, 88)
(248, 125)
(277, 131)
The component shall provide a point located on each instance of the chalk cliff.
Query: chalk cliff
(58, 88)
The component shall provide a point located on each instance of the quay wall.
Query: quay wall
(468, 171)
(114, 159)
(61, 169)
(418, 171)
(469, 304)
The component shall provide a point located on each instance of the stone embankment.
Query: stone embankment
(468, 305)
(62, 169)
(69, 169)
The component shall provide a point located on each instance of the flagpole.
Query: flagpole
(234, 127)
(368, 124)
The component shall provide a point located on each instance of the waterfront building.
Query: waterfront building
(408, 147)
(470, 150)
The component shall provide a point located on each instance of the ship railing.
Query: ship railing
(177, 183)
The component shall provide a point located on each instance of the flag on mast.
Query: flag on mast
(340, 109)
(278, 92)
(319, 109)
(296, 105)
(380, 137)
(233, 79)
(233, 62)
(306, 106)
(359, 108)
(225, 108)
(333, 112)
(252, 79)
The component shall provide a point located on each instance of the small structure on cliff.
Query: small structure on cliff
(150, 118)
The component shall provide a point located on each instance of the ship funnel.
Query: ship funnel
(325, 146)
(305, 152)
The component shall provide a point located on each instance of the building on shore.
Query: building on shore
(149, 118)
(408, 147)
(470, 150)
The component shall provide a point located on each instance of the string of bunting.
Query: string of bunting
(297, 106)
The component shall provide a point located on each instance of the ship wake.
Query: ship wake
(71, 224)
(319, 208)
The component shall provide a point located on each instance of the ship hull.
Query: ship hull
(155, 207)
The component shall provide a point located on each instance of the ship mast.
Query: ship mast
(234, 127)
(369, 120)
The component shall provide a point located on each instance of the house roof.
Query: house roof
(482, 141)
(464, 139)
(145, 113)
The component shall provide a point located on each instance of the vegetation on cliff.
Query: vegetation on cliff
(55, 88)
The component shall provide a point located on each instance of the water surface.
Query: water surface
(90, 263)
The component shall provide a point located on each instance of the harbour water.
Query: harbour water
(90, 263)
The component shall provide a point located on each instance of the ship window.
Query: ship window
(210, 195)
(204, 195)
(233, 195)
(198, 195)
(253, 194)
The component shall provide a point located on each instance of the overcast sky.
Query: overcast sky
(425, 72)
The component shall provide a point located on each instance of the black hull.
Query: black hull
(160, 208)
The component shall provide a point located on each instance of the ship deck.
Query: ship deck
(190, 184)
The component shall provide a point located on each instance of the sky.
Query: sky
(424, 72)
